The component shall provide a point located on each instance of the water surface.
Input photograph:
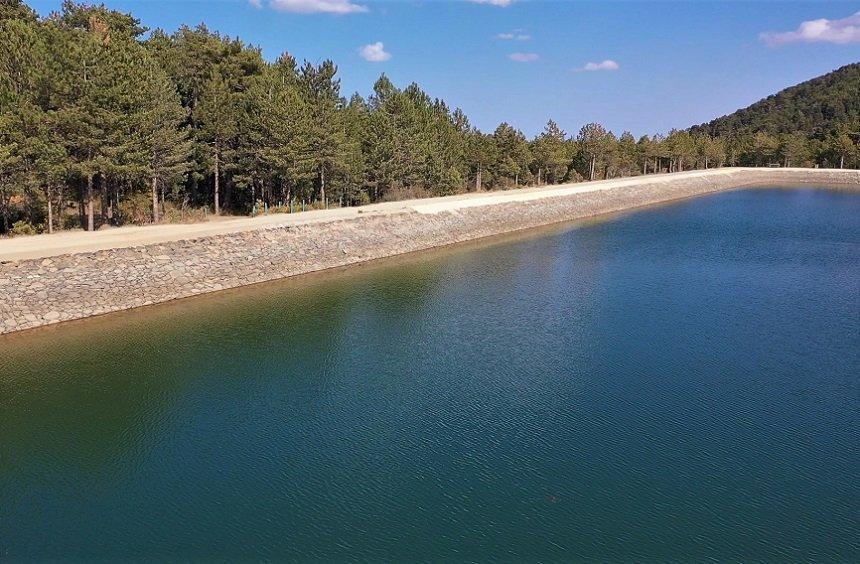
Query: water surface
(679, 383)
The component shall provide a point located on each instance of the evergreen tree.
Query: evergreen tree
(164, 135)
(513, 155)
(218, 126)
(793, 149)
(682, 150)
(710, 152)
(595, 143)
(551, 154)
(326, 131)
(842, 148)
(627, 155)
(765, 149)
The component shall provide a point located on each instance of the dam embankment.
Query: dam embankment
(47, 279)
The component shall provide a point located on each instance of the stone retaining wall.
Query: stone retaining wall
(44, 291)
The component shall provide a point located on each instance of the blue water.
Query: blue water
(677, 383)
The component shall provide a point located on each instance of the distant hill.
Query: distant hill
(818, 105)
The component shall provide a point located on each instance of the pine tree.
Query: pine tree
(326, 131)
(218, 119)
(551, 154)
(513, 155)
(21, 67)
(765, 149)
(793, 149)
(681, 148)
(627, 155)
(596, 144)
(842, 147)
(163, 133)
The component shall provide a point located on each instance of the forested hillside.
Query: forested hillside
(823, 105)
(103, 122)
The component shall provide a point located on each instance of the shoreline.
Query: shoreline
(47, 279)
(79, 241)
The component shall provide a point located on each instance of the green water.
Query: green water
(679, 383)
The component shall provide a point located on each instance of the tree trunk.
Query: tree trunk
(841, 161)
(591, 169)
(48, 195)
(60, 206)
(539, 175)
(322, 185)
(89, 203)
(193, 183)
(104, 205)
(478, 181)
(107, 202)
(645, 166)
(154, 200)
(217, 183)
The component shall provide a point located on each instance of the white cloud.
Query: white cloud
(317, 6)
(524, 57)
(499, 3)
(842, 32)
(514, 36)
(256, 3)
(375, 53)
(607, 65)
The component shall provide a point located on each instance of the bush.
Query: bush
(405, 193)
(573, 176)
(278, 209)
(180, 214)
(136, 209)
(361, 199)
(24, 228)
(69, 221)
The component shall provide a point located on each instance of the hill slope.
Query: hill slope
(821, 104)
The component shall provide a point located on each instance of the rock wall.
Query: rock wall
(44, 291)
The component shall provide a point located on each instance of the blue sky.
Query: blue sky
(658, 65)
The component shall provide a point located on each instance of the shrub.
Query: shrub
(405, 193)
(24, 228)
(136, 209)
(573, 176)
(361, 199)
(69, 221)
(181, 214)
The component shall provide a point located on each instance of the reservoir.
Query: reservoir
(680, 382)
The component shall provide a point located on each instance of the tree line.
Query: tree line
(105, 123)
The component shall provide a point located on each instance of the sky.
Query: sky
(645, 67)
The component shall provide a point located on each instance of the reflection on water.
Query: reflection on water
(677, 383)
